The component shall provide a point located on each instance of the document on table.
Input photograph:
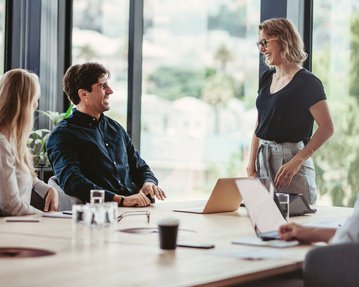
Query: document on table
(326, 222)
(256, 241)
(251, 253)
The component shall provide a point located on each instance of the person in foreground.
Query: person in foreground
(19, 95)
(348, 233)
(89, 150)
(290, 99)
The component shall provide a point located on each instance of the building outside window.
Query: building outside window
(200, 80)
(100, 34)
(336, 62)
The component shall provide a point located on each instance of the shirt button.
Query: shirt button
(93, 119)
(106, 144)
(90, 124)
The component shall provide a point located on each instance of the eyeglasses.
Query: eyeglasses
(264, 43)
(137, 212)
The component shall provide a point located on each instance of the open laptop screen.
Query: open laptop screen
(262, 210)
(224, 198)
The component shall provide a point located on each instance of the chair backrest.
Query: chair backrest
(65, 201)
(332, 266)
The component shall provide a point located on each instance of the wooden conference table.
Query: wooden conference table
(111, 257)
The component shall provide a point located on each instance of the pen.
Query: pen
(22, 220)
(67, 212)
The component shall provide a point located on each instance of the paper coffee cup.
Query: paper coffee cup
(168, 229)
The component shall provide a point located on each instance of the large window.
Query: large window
(100, 34)
(336, 62)
(200, 79)
(2, 34)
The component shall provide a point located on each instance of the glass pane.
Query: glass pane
(2, 34)
(336, 62)
(200, 80)
(100, 34)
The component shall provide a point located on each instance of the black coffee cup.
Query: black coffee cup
(168, 229)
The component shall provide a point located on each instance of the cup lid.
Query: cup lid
(168, 221)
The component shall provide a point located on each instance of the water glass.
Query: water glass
(78, 213)
(283, 199)
(94, 223)
(97, 196)
(110, 209)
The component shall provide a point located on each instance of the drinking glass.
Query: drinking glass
(283, 199)
(110, 212)
(94, 223)
(97, 196)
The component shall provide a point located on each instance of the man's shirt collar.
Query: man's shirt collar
(85, 119)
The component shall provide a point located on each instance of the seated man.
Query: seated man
(89, 150)
(348, 233)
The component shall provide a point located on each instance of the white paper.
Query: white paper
(259, 242)
(326, 222)
(251, 253)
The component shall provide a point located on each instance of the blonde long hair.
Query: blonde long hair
(18, 89)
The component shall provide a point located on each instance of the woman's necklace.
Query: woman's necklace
(275, 76)
(285, 77)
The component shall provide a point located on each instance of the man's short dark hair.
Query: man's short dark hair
(82, 76)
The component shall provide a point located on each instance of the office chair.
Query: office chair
(332, 266)
(65, 201)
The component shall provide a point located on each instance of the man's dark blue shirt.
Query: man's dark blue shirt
(86, 153)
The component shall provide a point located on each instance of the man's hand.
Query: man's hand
(51, 200)
(135, 200)
(305, 234)
(138, 199)
(153, 190)
(291, 231)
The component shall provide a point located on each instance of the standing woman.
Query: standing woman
(19, 95)
(290, 99)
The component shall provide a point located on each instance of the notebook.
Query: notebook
(224, 198)
(261, 207)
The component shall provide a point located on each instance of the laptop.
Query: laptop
(262, 210)
(224, 198)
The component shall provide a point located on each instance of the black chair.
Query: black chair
(332, 266)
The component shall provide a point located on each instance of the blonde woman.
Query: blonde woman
(290, 98)
(19, 95)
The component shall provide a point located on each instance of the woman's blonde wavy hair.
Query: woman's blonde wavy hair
(18, 88)
(288, 38)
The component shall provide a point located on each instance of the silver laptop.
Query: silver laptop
(261, 207)
(224, 198)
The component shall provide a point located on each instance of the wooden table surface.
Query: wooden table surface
(111, 257)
